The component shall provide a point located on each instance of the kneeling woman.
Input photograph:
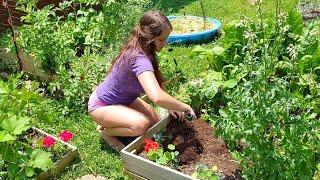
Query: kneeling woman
(115, 105)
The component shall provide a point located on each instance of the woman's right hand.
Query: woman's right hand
(191, 112)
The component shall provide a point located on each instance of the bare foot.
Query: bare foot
(112, 141)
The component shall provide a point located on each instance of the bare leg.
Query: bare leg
(118, 120)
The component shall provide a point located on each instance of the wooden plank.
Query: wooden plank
(150, 170)
(29, 65)
(136, 144)
(144, 167)
(133, 175)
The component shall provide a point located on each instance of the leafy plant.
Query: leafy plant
(22, 156)
(160, 137)
(204, 172)
(164, 157)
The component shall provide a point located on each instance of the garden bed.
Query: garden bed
(49, 155)
(196, 145)
(61, 161)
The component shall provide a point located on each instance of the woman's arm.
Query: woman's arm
(150, 85)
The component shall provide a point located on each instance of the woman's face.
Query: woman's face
(161, 40)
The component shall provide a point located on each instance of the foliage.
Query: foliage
(208, 87)
(264, 101)
(73, 86)
(164, 157)
(204, 172)
(160, 136)
(62, 39)
(272, 114)
(22, 156)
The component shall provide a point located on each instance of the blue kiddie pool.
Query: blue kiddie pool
(193, 37)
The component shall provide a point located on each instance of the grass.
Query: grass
(225, 11)
(95, 157)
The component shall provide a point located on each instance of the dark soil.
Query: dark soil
(196, 144)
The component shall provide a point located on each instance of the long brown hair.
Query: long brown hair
(151, 25)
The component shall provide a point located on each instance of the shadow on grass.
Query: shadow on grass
(105, 146)
(171, 6)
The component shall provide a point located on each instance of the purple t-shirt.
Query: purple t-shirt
(122, 86)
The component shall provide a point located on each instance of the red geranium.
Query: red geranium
(150, 145)
(48, 141)
(66, 136)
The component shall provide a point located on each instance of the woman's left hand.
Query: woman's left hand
(177, 115)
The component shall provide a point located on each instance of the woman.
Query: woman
(115, 105)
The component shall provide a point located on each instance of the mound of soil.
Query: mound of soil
(197, 143)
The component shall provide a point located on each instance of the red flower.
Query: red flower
(150, 145)
(48, 141)
(66, 136)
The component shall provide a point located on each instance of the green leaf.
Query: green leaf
(4, 136)
(169, 155)
(176, 153)
(196, 51)
(305, 63)
(218, 50)
(209, 173)
(29, 171)
(16, 125)
(215, 177)
(295, 21)
(248, 131)
(152, 155)
(41, 159)
(230, 83)
(162, 160)
(171, 147)
(12, 170)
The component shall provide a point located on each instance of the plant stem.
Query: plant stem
(203, 14)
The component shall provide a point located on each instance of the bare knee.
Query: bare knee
(140, 126)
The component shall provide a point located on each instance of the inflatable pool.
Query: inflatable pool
(194, 36)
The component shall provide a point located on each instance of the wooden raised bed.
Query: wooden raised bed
(29, 65)
(140, 168)
(59, 165)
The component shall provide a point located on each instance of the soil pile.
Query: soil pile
(196, 143)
